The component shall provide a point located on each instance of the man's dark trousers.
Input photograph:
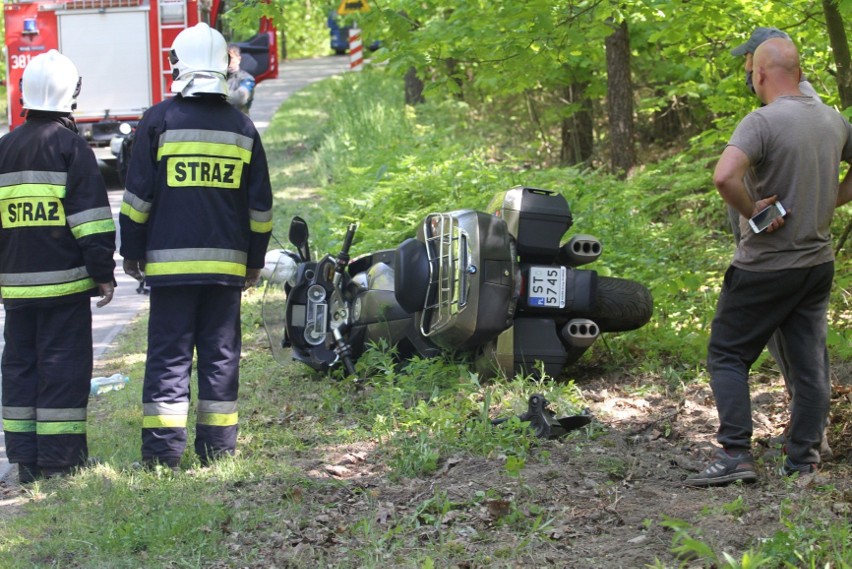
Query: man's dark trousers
(751, 306)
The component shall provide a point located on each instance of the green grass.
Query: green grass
(376, 162)
(4, 104)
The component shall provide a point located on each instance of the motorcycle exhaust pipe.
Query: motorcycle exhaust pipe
(581, 249)
(580, 332)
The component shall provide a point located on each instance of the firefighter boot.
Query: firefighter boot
(28, 473)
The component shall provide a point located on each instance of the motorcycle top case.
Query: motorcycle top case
(473, 288)
(536, 218)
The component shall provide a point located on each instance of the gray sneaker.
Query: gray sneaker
(825, 452)
(778, 442)
(790, 468)
(724, 470)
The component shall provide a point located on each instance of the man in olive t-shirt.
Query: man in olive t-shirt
(781, 277)
(739, 224)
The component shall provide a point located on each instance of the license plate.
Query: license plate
(546, 287)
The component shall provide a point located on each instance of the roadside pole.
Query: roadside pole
(356, 50)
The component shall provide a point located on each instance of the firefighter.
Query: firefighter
(57, 242)
(195, 222)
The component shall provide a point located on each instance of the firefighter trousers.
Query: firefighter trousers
(204, 319)
(47, 372)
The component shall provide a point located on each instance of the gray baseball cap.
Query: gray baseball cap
(758, 36)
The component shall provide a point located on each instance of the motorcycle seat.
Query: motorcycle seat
(411, 275)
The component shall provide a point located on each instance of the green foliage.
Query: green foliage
(680, 59)
(302, 24)
(3, 94)
(817, 544)
(684, 545)
(380, 157)
(814, 546)
(429, 409)
(125, 504)
(3, 60)
(736, 508)
(386, 166)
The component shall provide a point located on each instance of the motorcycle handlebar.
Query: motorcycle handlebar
(343, 256)
(347, 241)
(341, 345)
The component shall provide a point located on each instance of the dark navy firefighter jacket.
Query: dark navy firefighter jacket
(198, 203)
(57, 235)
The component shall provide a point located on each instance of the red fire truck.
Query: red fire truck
(121, 50)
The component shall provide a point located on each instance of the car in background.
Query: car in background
(340, 35)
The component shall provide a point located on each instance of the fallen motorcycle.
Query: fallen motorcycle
(498, 285)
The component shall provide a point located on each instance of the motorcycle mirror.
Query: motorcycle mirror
(299, 237)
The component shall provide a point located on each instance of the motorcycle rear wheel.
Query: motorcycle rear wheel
(621, 305)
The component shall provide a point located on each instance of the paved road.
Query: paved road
(108, 322)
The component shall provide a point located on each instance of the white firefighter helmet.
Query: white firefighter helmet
(199, 58)
(50, 83)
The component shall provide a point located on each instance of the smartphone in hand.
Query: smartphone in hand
(766, 216)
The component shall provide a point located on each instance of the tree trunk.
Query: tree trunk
(282, 44)
(840, 47)
(412, 83)
(577, 129)
(619, 99)
(666, 125)
(455, 77)
(413, 88)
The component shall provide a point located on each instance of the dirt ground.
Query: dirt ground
(594, 502)
(587, 502)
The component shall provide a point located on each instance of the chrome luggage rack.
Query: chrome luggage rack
(447, 251)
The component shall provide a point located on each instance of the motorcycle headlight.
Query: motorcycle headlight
(287, 269)
(280, 267)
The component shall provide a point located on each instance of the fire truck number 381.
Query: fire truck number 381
(19, 61)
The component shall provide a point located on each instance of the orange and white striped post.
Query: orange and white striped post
(356, 50)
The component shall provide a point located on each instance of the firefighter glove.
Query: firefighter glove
(106, 290)
(252, 278)
(135, 268)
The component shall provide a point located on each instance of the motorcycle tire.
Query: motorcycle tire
(621, 305)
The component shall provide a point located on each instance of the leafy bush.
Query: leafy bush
(386, 166)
